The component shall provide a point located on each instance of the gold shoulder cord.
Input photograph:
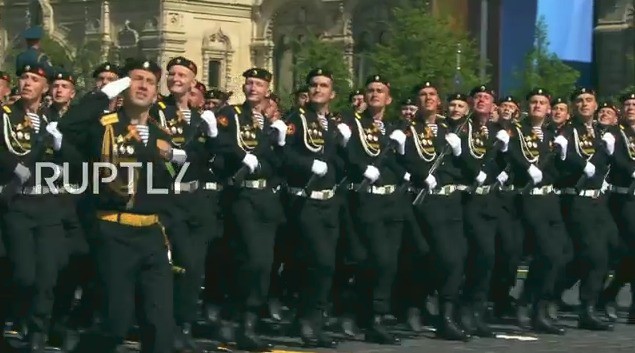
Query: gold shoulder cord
(630, 147)
(428, 157)
(529, 156)
(239, 138)
(579, 150)
(373, 152)
(9, 138)
(306, 138)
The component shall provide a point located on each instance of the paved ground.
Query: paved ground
(509, 340)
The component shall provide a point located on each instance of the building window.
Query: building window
(213, 73)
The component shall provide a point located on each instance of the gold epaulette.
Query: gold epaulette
(622, 127)
(237, 109)
(301, 110)
(358, 115)
(6, 109)
(109, 119)
(444, 125)
(518, 125)
(161, 105)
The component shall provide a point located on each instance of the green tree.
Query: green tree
(544, 69)
(314, 53)
(422, 47)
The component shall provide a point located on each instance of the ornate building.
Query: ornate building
(222, 37)
(614, 45)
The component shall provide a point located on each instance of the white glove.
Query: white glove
(503, 137)
(563, 143)
(51, 128)
(633, 175)
(610, 142)
(589, 170)
(371, 173)
(399, 137)
(535, 174)
(22, 172)
(605, 186)
(455, 142)
(251, 162)
(480, 178)
(431, 181)
(210, 119)
(319, 168)
(114, 88)
(502, 177)
(282, 131)
(179, 156)
(345, 131)
(406, 176)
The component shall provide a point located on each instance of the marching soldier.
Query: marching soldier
(5, 87)
(437, 214)
(301, 97)
(536, 169)
(621, 178)
(130, 243)
(33, 53)
(608, 113)
(356, 98)
(197, 96)
(376, 205)
(244, 141)
(33, 221)
(509, 233)
(63, 93)
(408, 109)
(186, 221)
(560, 115)
(480, 208)
(311, 169)
(215, 99)
(105, 73)
(586, 214)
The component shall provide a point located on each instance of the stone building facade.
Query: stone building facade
(614, 48)
(222, 37)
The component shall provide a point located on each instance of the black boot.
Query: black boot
(448, 329)
(414, 320)
(481, 327)
(213, 313)
(37, 342)
(347, 324)
(70, 339)
(275, 310)
(247, 339)
(313, 336)
(378, 333)
(542, 321)
(631, 315)
(183, 340)
(522, 317)
(466, 318)
(589, 321)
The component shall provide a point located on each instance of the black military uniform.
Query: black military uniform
(509, 233)
(622, 205)
(255, 208)
(131, 244)
(586, 213)
(480, 210)
(439, 213)
(33, 221)
(378, 215)
(312, 143)
(188, 217)
(535, 164)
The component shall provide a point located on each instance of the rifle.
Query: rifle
(437, 163)
(43, 140)
(490, 154)
(390, 147)
(240, 175)
(548, 159)
(314, 177)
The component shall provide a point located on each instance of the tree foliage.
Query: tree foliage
(314, 52)
(423, 47)
(544, 69)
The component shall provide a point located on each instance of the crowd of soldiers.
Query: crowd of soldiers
(356, 215)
